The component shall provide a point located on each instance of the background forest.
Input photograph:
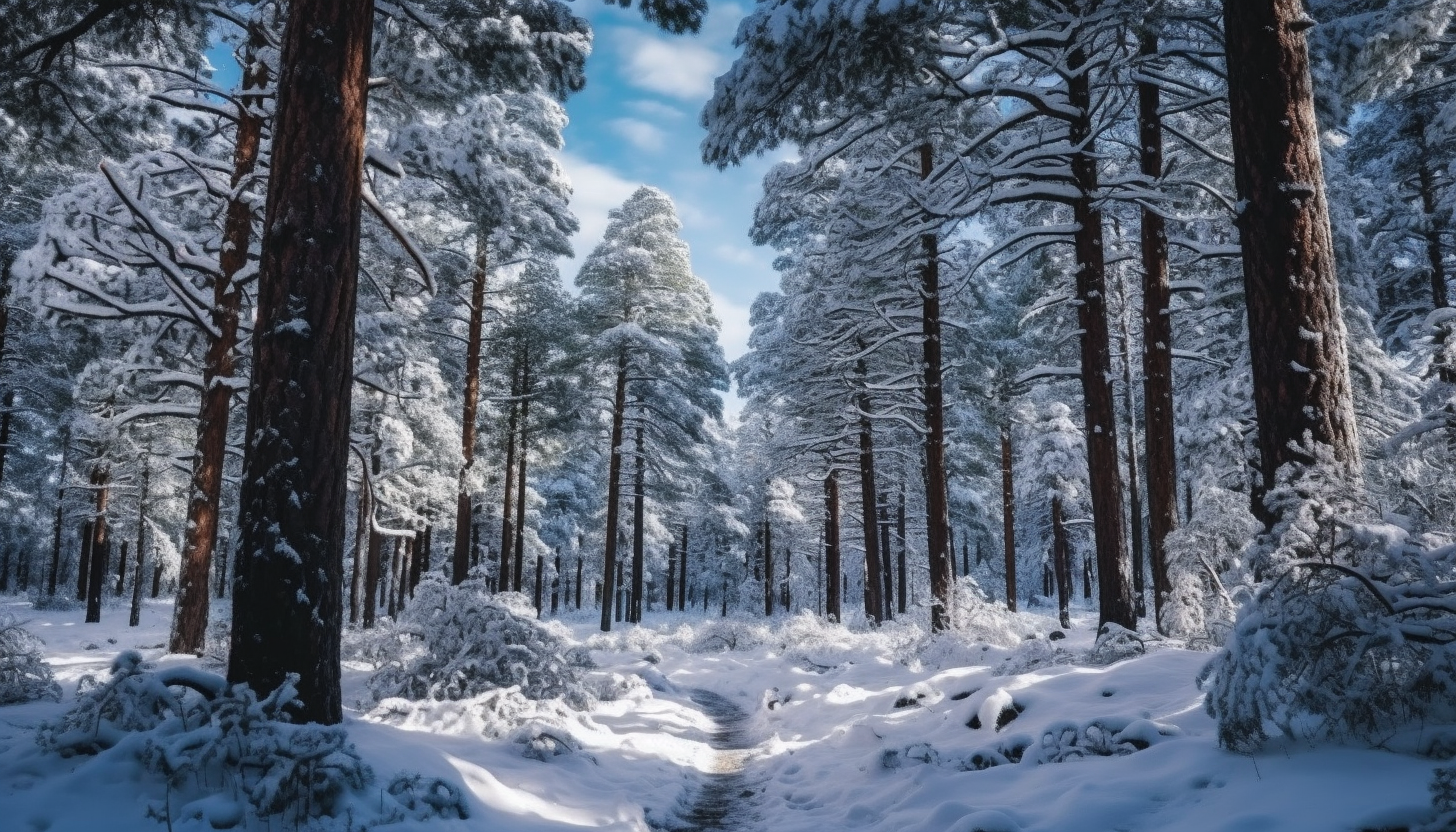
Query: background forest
(1139, 308)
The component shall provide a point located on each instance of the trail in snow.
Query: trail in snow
(728, 798)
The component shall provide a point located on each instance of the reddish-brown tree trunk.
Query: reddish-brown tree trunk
(832, 600)
(287, 614)
(1158, 427)
(460, 564)
(100, 544)
(614, 475)
(1100, 414)
(371, 578)
(189, 620)
(873, 603)
(937, 510)
(1008, 516)
(1301, 378)
(508, 504)
(639, 552)
(524, 453)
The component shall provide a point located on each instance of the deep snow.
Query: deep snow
(843, 730)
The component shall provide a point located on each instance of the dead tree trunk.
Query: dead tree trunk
(1301, 374)
(614, 474)
(1099, 411)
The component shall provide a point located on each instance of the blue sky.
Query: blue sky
(636, 123)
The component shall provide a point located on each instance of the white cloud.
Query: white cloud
(737, 255)
(734, 317)
(640, 134)
(647, 108)
(596, 189)
(677, 67)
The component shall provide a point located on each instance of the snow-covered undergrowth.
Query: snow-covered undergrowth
(24, 675)
(885, 730)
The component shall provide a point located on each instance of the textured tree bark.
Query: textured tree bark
(1134, 486)
(460, 564)
(831, 548)
(614, 474)
(287, 615)
(508, 506)
(189, 621)
(361, 547)
(874, 605)
(639, 552)
(1435, 261)
(1115, 588)
(937, 510)
(1158, 429)
(83, 561)
(1008, 516)
(1301, 378)
(671, 576)
(100, 544)
(371, 579)
(903, 552)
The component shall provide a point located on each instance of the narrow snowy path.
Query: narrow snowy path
(727, 798)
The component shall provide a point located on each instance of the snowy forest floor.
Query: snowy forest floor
(792, 725)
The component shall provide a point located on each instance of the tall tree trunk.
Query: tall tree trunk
(55, 575)
(578, 581)
(768, 568)
(937, 510)
(121, 568)
(1134, 484)
(524, 453)
(1008, 515)
(1061, 563)
(671, 576)
(371, 577)
(287, 615)
(361, 547)
(83, 561)
(1158, 423)
(508, 506)
(832, 597)
(7, 403)
(1296, 331)
(556, 584)
(614, 474)
(874, 605)
(189, 619)
(100, 543)
(887, 591)
(1115, 588)
(904, 597)
(639, 551)
(540, 575)
(682, 581)
(136, 579)
(417, 557)
(460, 565)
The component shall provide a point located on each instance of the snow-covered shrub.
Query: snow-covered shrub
(227, 759)
(135, 698)
(1331, 650)
(722, 635)
(1205, 568)
(457, 642)
(1032, 654)
(1105, 737)
(24, 674)
(1115, 643)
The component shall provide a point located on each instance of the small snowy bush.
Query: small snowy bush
(1205, 567)
(1115, 643)
(458, 642)
(24, 674)
(1360, 648)
(227, 759)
